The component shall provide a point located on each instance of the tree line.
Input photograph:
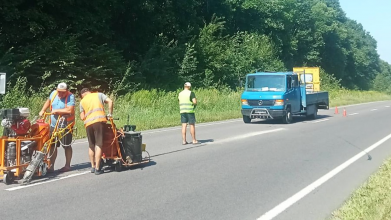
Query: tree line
(122, 46)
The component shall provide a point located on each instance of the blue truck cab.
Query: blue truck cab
(280, 95)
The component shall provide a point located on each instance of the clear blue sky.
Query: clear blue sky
(373, 15)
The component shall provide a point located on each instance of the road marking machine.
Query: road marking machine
(25, 146)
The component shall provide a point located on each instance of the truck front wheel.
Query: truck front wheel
(287, 119)
(246, 119)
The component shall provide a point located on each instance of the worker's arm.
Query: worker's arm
(110, 102)
(193, 98)
(67, 110)
(45, 106)
(82, 115)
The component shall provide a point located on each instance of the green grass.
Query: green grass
(347, 97)
(372, 201)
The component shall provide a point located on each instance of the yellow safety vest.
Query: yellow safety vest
(93, 109)
(185, 105)
(71, 117)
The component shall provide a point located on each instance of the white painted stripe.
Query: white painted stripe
(321, 120)
(373, 109)
(387, 106)
(354, 114)
(246, 136)
(49, 181)
(296, 197)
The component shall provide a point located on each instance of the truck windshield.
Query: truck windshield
(266, 83)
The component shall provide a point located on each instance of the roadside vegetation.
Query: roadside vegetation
(372, 201)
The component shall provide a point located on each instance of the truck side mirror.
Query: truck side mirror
(293, 83)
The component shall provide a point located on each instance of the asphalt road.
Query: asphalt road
(263, 170)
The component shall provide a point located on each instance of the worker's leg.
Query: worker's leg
(68, 151)
(184, 121)
(52, 152)
(192, 127)
(99, 135)
(91, 145)
(68, 157)
(98, 156)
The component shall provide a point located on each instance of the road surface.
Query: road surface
(262, 170)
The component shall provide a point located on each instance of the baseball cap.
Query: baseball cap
(187, 84)
(62, 87)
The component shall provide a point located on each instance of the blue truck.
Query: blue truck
(282, 95)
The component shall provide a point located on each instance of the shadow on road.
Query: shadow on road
(202, 143)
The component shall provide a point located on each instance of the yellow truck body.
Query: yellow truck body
(311, 77)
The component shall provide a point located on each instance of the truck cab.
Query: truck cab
(273, 95)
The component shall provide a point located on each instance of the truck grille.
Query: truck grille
(260, 102)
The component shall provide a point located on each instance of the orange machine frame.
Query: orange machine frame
(41, 146)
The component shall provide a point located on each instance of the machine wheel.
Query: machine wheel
(118, 166)
(287, 119)
(8, 178)
(43, 168)
(246, 119)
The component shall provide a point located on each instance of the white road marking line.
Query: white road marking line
(320, 120)
(221, 141)
(387, 106)
(373, 109)
(354, 114)
(40, 183)
(246, 136)
(290, 201)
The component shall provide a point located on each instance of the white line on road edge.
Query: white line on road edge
(290, 201)
(35, 184)
(246, 136)
(387, 106)
(354, 114)
(373, 109)
(321, 120)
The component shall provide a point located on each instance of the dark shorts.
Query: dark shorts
(95, 134)
(188, 118)
(66, 140)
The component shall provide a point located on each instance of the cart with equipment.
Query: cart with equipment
(122, 149)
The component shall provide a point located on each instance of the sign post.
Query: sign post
(2, 83)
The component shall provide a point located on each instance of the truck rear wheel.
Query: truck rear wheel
(246, 119)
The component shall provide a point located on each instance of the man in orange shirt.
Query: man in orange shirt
(92, 112)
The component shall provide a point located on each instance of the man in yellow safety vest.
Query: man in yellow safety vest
(61, 101)
(187, 104)
(92, 112)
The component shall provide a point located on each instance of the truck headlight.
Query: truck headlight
(244, 102)
(279, 102)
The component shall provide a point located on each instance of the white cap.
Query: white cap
(62, 87)
(188, 84)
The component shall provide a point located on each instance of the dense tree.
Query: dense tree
(123, 45)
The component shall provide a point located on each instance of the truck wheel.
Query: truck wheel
(315, 115)
(287, 119)
(246, 119)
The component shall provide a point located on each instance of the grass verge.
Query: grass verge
(372, 201)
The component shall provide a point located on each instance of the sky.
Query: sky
(373, 16)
